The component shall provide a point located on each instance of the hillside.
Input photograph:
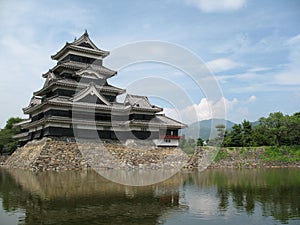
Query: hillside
(203, 128)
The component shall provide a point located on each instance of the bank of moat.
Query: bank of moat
(76, 100)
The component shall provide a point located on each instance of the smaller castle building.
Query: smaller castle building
(77, 101)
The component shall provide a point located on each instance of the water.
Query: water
(269, 196)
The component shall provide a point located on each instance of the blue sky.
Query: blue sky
(251, 47)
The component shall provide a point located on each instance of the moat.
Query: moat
(228, 196)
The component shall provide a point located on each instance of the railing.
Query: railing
(171, 137)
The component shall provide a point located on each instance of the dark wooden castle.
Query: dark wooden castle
(76, 100)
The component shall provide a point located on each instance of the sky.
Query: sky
(251, 49)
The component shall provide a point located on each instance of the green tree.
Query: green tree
(275, 128)
(293, 129)
(260, 137)
(200, 142)
(236, 135)
(7, 143)
(227, 139)
(278, 127)
(247, 139)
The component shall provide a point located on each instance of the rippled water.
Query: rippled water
(269, 196)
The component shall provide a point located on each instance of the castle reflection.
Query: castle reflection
(84, 197)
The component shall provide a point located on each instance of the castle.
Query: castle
(77, 101)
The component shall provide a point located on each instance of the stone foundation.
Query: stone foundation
(3, 158)
(53, 154)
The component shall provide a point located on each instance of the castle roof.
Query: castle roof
(90, 90)
(163, 119)
(84, 44)
(79, 66)
(140, 103)
(107, 88)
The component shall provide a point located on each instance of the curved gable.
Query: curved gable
(90, 91)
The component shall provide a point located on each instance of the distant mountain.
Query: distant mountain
(205, 128)
(255, 123)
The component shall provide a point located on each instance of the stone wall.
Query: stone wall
(59, 154)
(3, 158)
(53, 154)
(47, 154)
(237, 157)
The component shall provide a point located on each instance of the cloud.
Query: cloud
(209, 6)
(290, 76)
(259, 69)
(252, 98)
(197, 112)
(294, 40)
(233, 109)
(28, 55)
(204, 110)
(249, 79)
(222, 64)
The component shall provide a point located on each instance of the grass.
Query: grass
(277, 154)
(281, 154)
(222, 154)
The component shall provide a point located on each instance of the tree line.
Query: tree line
(275, 130)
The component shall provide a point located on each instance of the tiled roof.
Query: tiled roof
(162, 119)
(74, 84)
(82, 44)
(79, 65)
(97, 69)
(22, 136)
(140, 102)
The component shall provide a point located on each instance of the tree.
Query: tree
(200, 142)
(275, 128)
(7, 143)
(240, 135)
(236, 135)
(278, 127)
(293, 129)
(227, 139)
(260, 136)
(247, 133)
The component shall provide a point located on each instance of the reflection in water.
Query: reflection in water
(209, 197)
(84, 197)
(276, 192)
